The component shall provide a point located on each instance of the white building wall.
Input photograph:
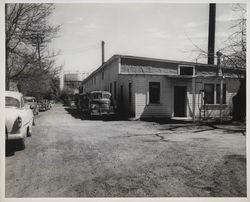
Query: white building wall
(110, 75)
(142, 106)
(232, 86)
(124, 80)
(140, 95)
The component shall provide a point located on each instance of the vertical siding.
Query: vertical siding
(142, 106)
(110, 75)
(232, 86)
(124, 80)
(166, 106)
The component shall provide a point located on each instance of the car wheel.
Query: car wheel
(28, 132)
(21, 144)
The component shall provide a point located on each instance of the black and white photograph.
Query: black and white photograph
(119, 100)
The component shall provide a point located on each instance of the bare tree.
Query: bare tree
(235, 49)
(234, 56)
(28, 34)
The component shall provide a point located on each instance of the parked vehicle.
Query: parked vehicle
(99, 104)
(83, 102)
(43, 105)
(31, 101)
(18, 118)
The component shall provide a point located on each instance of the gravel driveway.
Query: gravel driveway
(70, 157)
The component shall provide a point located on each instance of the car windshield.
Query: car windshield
(12, 102)
(106, 95)
(96, 95)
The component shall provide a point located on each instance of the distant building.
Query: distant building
(146, 87)
(73, 80)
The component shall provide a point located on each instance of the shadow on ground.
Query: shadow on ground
(11, 148)
(171, 124)
(78, 115)
(166, 121)
(74, 112)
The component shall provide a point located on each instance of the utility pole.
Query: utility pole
(211, 33)
(103, 43)
(219, 54)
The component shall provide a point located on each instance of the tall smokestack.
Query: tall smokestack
(103, 52)
(211, 33)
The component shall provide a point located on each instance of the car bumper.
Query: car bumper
(16, 136)
(96, 113)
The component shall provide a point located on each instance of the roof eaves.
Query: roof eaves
(164, 60)
(99, 68)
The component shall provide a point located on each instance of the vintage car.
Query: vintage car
(41, 106)
(99, 103)
(18, 118)
(83, 102)
(44, 105)
(31, 101)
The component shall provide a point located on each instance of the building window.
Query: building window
(102, 75)
(130, 93)
(110, 88)
(154, 92)
(95, 80)
(115, 90)
(186, 70)
(218, 94)
(209, 93)
(212, 93)
(22, 102)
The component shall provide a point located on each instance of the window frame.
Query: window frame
(18, 102)
(22, 102)
(150, 101)
(224, 94)
(215, 93)
(185, 66)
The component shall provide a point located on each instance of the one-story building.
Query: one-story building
(145, 87)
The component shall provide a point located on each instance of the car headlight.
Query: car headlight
(19, 122)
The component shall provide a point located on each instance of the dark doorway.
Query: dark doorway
(180, 93)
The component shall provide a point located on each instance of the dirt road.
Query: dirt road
(70, 157)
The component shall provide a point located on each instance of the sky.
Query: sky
(162, 30)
